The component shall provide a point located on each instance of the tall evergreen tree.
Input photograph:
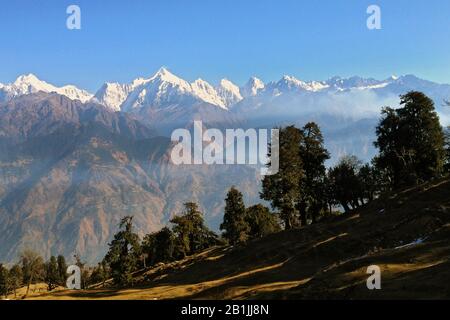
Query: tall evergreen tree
(159, 246)
(62, 270)
(191, 234)
(99, 274)
(4, 281)
(15, 278)
(282, 189)
(123, 253)
(345, 184)
(447, 150)
(51, 274)
(261, 221)
(234, 223)
(411, 141)
(312, 189)
(369, 182)
(164, 246)
(83, 269)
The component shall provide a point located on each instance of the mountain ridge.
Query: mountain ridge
(165, 88)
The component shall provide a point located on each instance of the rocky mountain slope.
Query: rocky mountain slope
(70, 171)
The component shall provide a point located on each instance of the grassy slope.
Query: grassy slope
(327, 260)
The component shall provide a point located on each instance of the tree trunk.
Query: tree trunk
(314, 216)
(287, 222)
(29, 284)
(346, 207)
(302, 211)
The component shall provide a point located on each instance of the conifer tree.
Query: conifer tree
(447, 150)
(345, 184)
(15, 278)
(312, 189)
(123, 253)
(191, 234)
(4, 281)
(235, 226)
(411, 141)
(52, 277)
(261, 221)
(62, 270)
(283, 189)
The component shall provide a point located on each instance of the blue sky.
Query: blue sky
(211, 39)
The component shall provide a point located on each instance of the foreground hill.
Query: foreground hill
(406, 234)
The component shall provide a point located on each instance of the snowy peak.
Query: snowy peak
(253, 87)
(139, 81)
(165, 89)
(74, 93)
(207, 93)
(354, 83)
(27, 78)
(112, 95)
(165, 82)
(229, 92)
(292, 83)
(165, 76)
(412, 81)
(29, 83)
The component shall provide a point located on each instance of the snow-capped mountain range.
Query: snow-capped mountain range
(27, 84)
(165, 90)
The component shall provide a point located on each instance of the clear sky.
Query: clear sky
(212, 39)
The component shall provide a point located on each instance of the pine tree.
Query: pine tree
(411, 141)
(159, 246)
(123, 253)
(447, 150)
(164, 246)
(62, 270)
(15, 278)
(83, 269)
(283, 189)
(369, 182)
(99, 274)
(191, 234)
(234, 223)
(312, 189)
(4, 281)
(261, 221)
(51, 274)
(345, 184)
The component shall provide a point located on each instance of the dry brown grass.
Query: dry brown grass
(324, 261)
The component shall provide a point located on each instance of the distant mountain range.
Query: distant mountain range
(165, 89)
(73, 163)
(165, 101)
